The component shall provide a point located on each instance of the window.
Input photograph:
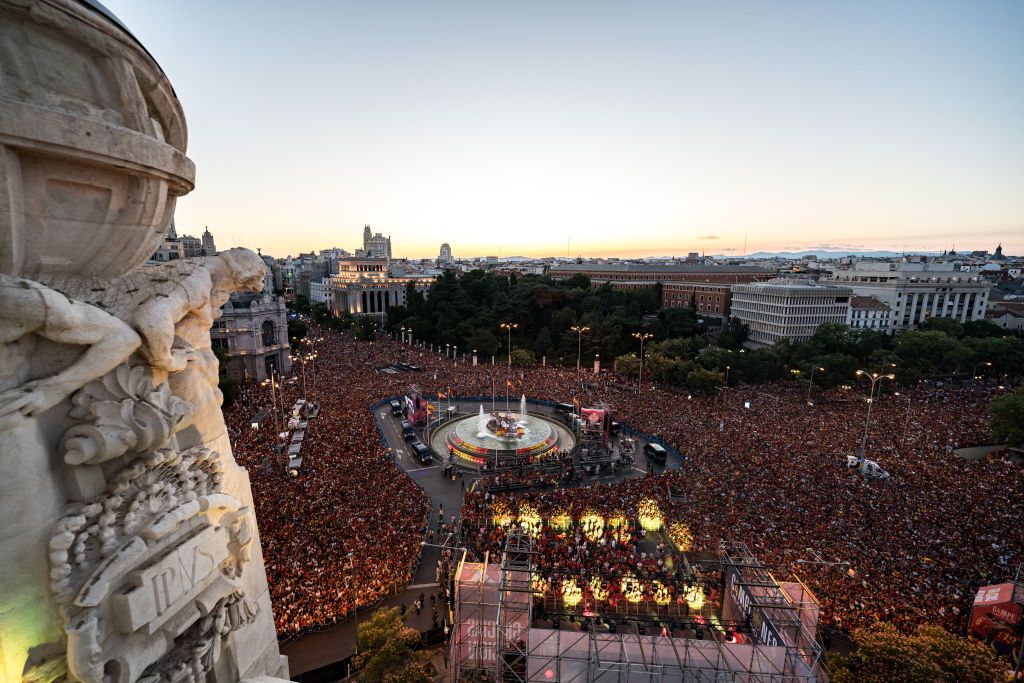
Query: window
(269, 333)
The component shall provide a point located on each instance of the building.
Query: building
(707, 298)
(169, 250)
(647, 275)
(375, 246)
(366, 286)
(191, 246)
(209, 248)
(916, 290)
(444, 258)
(787, 308)
(253, 332)
(868, 313)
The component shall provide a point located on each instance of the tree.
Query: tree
(386, 650)
(628, 364)
(297, 329)
(701, 381)
(522, 357)
(1006, 419)
(578, 281)
(931, 654)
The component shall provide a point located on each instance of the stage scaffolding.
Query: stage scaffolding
(493, 640)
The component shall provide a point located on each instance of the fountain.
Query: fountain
(522, 409)
(481, 424)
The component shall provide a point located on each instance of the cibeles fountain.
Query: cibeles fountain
(128, 545)
(501, 438)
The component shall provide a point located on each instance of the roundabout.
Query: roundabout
(501, 438)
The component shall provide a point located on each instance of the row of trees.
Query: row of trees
(941, 348)
(467, 311)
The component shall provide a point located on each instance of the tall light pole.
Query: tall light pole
(355, 598)
(508, 327)
(810, 383)
(579, 343)
(312, 358)
(302, 363)
(403, 334)
(642, 336)
(974, 377)
(875, 379)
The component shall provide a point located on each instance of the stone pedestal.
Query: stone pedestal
(128, 545)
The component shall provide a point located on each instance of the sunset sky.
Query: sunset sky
(547, 128)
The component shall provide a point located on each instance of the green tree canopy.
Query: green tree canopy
(386, 650)
(1006, 419)
(931, 654)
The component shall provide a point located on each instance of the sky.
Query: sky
(594, 129)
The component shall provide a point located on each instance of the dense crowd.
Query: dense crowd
(762, 467)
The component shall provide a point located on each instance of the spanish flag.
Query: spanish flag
(509, 384)
(442, 395)
(430, 409)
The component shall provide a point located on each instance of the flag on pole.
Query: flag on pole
(508, 383)
(441, 395)
(430, 409)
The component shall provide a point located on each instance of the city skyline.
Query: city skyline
(570, 130)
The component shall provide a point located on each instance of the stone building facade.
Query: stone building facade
(787, 308)
(253, 332)
(918, 290)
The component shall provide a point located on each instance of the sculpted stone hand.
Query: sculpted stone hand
(30, 312)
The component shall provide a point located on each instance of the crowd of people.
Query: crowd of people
(762, 467)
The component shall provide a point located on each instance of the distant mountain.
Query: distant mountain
(827, 253)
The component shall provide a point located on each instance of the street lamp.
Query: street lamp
(975, 368)
(579, 342)
(875, 379)
(810, 383)
(642, 336)
(509, 327)
(403, 334)
(447, 350)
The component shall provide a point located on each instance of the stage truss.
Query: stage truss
(494, 641)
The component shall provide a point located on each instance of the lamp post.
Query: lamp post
(509, 327)
(810, 383)
(875, 379)
(403, 334)
(312, 358)
(642, 336)
(302, 364)
(579, 343)
(974, 377)
(447, 350)
(273, 404)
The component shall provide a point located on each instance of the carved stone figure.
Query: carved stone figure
(128, 547)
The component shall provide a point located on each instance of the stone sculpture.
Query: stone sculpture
(128, 546)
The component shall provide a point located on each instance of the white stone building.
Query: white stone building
(320, 291)
(868, 313)
(444, 257)
(918, 290)
(253, 330)
(366, 286)
(787, 308)
(375, 246)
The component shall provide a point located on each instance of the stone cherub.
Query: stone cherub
(37, 369)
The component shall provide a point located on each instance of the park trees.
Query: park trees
(387, 650)
(930, 654)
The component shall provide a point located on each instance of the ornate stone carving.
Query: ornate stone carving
(147, 575)
(125, 414)
(126, 534)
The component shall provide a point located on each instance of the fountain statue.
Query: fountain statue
(128, 544)
(482, 423)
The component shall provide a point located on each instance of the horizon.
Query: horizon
(595, 130)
